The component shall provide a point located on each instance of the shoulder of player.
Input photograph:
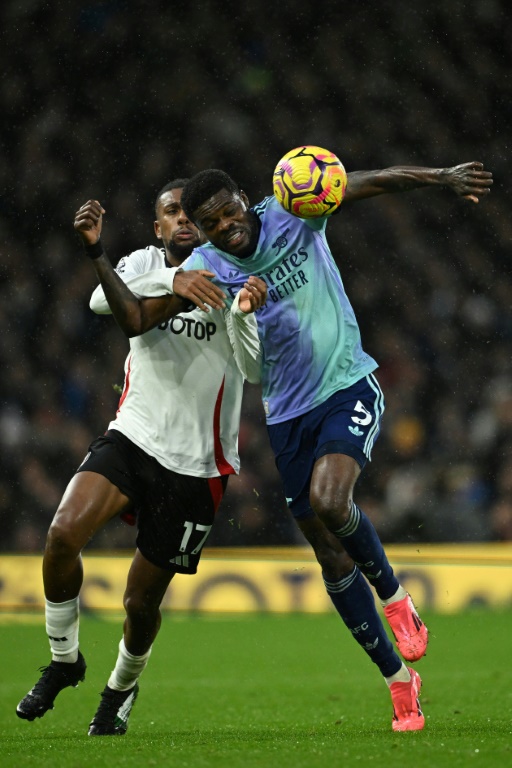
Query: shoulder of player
(276, 214)
(267, 203)
(144, 259)
(271, 214)
(201, 257)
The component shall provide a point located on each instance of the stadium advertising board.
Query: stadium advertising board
(446, 578)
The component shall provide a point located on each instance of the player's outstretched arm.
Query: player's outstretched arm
(133, 314)
(123, 303)
(468, 180)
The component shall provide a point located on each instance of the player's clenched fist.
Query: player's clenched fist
(88, 221)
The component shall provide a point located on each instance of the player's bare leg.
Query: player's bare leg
(89, 501)
(145, 590)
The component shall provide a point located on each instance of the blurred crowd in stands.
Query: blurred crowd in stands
(112, 99)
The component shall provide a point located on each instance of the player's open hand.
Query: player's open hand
(88, 221)
(469, 180)
(253, 295)
(195, 285)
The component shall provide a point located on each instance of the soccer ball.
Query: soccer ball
(309, 182)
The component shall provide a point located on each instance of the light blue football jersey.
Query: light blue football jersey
(309, 334)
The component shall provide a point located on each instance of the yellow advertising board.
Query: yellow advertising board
(446, 578)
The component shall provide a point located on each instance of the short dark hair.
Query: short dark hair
(175, 184)
(202, 186)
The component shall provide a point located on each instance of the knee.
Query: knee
(332, 506)
(62, 539)
(140, 607)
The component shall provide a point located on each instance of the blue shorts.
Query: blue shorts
(348, 422)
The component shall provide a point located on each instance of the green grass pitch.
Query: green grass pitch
(291, 691)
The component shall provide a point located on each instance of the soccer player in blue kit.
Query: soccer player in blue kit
(322, 402)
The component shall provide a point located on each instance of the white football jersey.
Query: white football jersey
(182, 391)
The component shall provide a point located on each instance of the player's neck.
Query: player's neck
(176, 259)
(172, 261)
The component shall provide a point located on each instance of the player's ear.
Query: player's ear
(244, 198)
(158, 232)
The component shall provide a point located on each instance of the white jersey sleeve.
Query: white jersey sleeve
(130, 268)
(243, 334)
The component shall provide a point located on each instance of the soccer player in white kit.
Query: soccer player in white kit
(164, 459)
(322, 401)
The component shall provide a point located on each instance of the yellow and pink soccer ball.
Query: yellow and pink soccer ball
(310, 182)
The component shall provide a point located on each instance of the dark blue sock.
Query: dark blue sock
(353, 599)
(362, 543)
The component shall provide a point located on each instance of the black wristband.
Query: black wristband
(94, 251)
